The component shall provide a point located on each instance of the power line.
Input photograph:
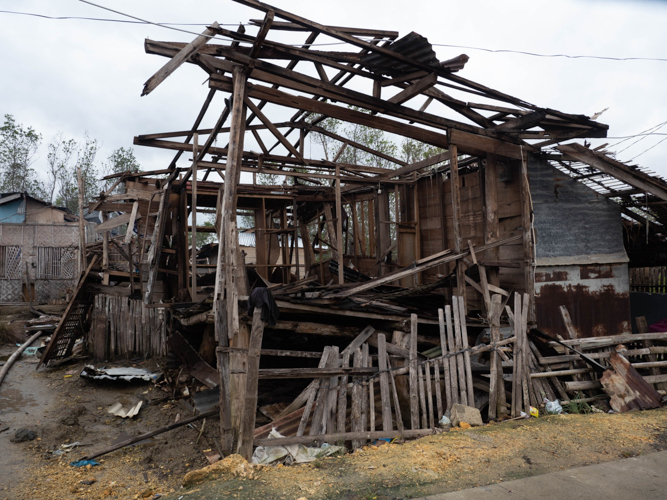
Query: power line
(648, 149)
(173, 26)
(127, 21)
(568, 56)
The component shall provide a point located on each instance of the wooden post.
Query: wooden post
(82, 227)
(463, 386)
(496, 367)
(466, 354)
(414, 374)
(339, 229)
(528, 244)
(250, 407)
(105, 253)
(491, 224)
(452, 361)
(456, 218)
(228, 248)
(445, 361)
(195, 152)
(384, 382)
(517, 390)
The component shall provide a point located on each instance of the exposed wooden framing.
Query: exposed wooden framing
(414, 89)
(414, 375)
(339, 229)
(195, 148)
(179, 59)
(426, 265)
(456, 218)
(274, 130)
(528, 244)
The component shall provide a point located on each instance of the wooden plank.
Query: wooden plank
(525, 368)
(453, 360)
(415, 89)
(188, 51)
(332, 395)
(130, 224)
(342, 394)
(110, 224)
(311, 391)
(410, 270)
(368, 404)
(339, 229)
(359, 340)
(422, 397)
(397, 404)
(455, 187)
(429, 393)
(414, 374)
(460, 360)
(384, 383)
(357, 396)
(496, 374)
(438, 390)
(445, 364)
(274, 130)
(250, 407)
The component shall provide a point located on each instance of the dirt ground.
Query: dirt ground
(63, 408)
(450, 461)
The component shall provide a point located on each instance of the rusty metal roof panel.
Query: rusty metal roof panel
(413, 45)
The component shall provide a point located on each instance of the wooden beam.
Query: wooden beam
(415, 89)
(418, 269)
(179, 59)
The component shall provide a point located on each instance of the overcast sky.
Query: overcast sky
(76, 76)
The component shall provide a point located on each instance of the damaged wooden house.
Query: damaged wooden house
(376, 297)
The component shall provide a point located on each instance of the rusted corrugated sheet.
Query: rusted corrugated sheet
(627, 388)
(596, 296)
(413, 45)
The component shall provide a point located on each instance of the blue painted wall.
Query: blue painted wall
(9, 212)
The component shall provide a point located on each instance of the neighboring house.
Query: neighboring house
(39, 248)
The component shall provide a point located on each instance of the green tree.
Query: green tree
(119, 161)
(68, 194)
(61, 151)
(18, 150)
(413, 151)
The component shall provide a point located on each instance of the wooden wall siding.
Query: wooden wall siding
(648, 279)
(434, 198)
(432, 231)
(124, 327)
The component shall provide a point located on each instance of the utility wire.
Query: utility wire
(656, 144)
(568, 56)
(173, 26)
(58, 18)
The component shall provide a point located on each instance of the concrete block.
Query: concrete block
(467, 414)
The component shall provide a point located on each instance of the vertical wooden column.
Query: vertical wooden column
(250, 407)
(195, 152)
(491, 224)
(456, 219)
(105, 252)
(226, 317)
(182, 242)
(339, 228)
(414, 374)
(496, 367)
(528, 249)
(82, 228)
(382, 227)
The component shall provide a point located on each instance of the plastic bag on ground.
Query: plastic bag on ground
(553, 407)
(296, 453)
